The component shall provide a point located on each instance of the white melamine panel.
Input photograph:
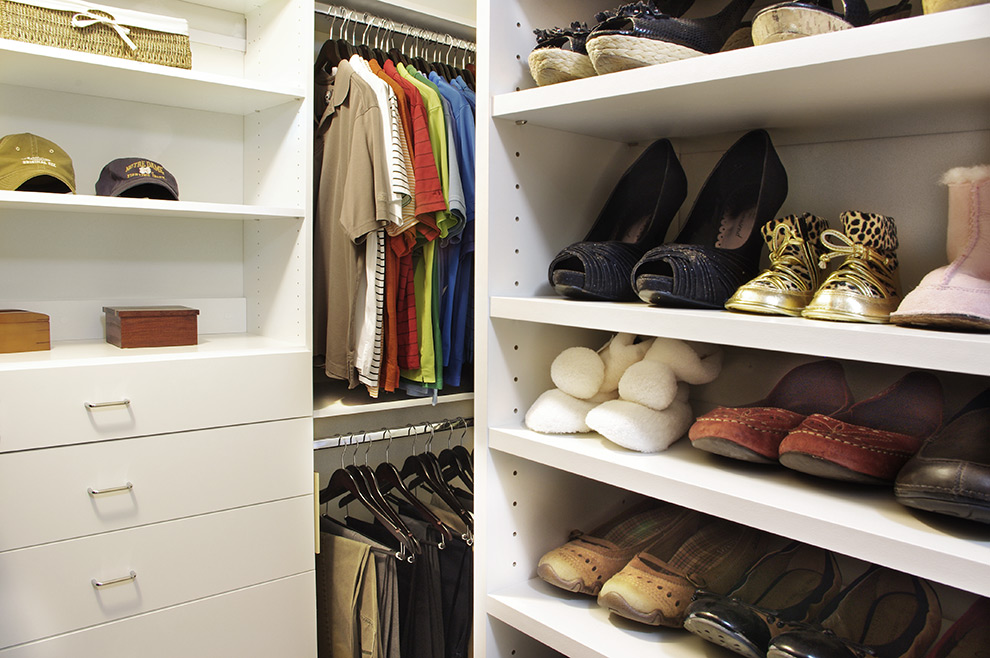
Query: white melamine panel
(863, 522)
(578, 627)
(273, 619)
(48, 589)
(917, 348)
(46, 406)
(203, 150)
(78, 204)
(864, 77)
(44, 494)
(43, 67)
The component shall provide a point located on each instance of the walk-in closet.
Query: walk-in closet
(342, 429)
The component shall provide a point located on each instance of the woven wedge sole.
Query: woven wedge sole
(552, 65)
(613, 53)
(723, 636)
(784, 23)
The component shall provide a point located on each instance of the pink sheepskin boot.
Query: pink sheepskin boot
(957, 296)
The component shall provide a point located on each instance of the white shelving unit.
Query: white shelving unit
(164, 426)
(866, 119)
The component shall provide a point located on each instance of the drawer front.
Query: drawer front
(273, 619)
(46, 407)
(49, 589)
(45, 494)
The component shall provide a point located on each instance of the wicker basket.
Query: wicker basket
(98, 29)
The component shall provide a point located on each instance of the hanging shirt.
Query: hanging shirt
(396, 167)
(438, 135)
(429, 192)
(354, 199)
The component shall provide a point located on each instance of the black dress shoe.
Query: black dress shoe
(882, 613)
(787, 587)
(950, 473)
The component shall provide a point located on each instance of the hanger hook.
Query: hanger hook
(464, 428)
(450, 430)
(413, 432)
(387, 434)
(367, 26)
(367, 449)
(429, 441)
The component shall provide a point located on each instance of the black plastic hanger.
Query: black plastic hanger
(425, 471)
(455, 462)
(343, 482)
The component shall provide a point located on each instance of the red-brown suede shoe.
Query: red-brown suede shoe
(753, 432)
(873, 439)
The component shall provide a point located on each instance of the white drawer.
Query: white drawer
(273, 619)
(49, 589)
(44, 494)
(44, 407)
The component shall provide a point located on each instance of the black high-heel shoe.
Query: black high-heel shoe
(718, 249)
(634, 219)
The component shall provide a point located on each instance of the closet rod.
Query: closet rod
(394, 433)
(371, 20)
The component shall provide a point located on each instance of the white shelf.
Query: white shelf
(99, 352)
(902, 346)
(332, 400)
(56, 69)
(863, 522)
(577, 626)
(863, 79)
(16, 201)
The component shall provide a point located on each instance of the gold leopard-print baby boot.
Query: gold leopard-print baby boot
(793, 277)
(866, 287)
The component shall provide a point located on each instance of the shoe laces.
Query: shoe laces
(864, 268)
(788, 250)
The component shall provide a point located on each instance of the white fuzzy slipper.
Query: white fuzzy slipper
(618, 354)
(694, 363)
(578, 371)
(650, 383)
(640, 428)
(556, 412)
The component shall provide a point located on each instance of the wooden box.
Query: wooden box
(23, 331)
(151, 326)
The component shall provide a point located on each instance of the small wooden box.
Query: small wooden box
(23, 331)
(151, 326)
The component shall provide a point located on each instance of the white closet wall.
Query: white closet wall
(208, 447)
(866, 119)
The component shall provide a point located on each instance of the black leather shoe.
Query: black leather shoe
(883, 613)
(634, 219)
(950, 473)
(643, 35)
(788, 586)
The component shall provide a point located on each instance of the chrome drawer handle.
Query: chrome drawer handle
(116, 403)
(100, 492)
(99, 584)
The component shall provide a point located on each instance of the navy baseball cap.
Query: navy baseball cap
(137, 178)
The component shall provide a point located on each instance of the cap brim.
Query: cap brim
(124, 186)
(24, 174)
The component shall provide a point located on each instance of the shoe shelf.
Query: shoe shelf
(56, 69)
(100, 205)
(575, 625)
(915, 348)
(861, 80)
(859, 521)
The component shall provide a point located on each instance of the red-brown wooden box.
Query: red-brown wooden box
(151, 326)
(23, 331)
